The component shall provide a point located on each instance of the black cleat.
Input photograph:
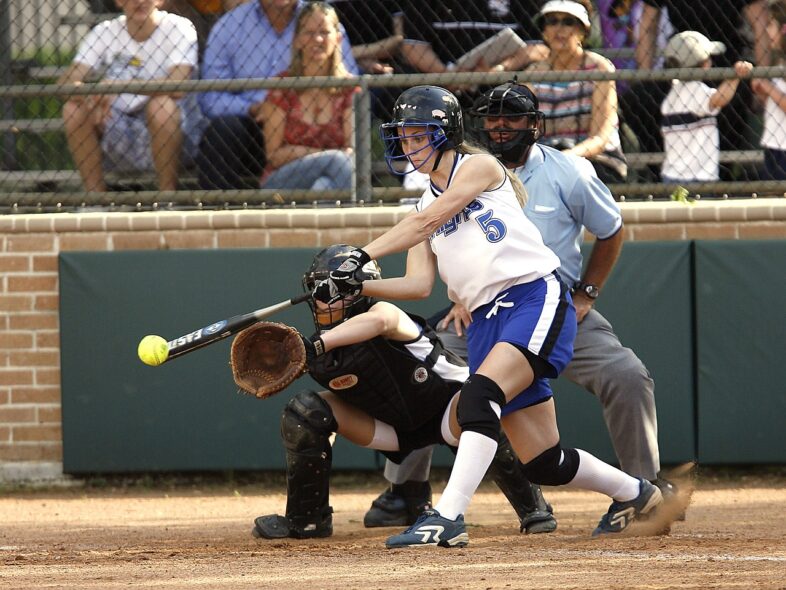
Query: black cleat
(541, 519)
(275, 526)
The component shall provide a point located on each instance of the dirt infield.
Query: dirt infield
(194, 537)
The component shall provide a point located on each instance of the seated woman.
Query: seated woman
(308, 132)
(581, 116)
(134, 132)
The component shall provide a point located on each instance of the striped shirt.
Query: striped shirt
(568, 109)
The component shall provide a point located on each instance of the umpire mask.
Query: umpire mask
(507, 122)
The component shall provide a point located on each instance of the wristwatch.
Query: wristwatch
(588, 289)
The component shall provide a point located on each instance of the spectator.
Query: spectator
(773, 92)
(437, 34)
(375, 31)
(581, 116)
(133, 131)
(203, 13)
(619, 27)
(309, 132)
(252, 41)
(720, 20)
(689, 124)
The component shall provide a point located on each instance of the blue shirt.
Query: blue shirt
(565, 196)
(243, 44)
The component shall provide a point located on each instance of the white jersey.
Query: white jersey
(487, 247)
(690, 133)
(113, 55)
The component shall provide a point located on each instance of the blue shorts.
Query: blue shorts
(538, 316)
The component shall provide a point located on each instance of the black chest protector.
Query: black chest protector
(385, 380)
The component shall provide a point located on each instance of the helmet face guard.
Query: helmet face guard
(329, 316)
(392, 134)
(433, 109)
(509, 105)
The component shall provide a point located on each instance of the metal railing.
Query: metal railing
(363, 192)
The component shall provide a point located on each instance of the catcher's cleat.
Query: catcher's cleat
(622, 514)
(400, 505)
(432, 529)
(275, 526)
(541, 518)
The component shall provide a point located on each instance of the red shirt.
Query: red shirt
(298, 132)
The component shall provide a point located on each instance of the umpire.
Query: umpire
(565, 197)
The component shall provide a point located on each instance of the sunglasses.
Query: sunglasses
(565, 21)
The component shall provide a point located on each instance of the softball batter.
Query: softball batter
(470, 226)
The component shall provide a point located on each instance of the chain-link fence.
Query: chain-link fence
(170, 103)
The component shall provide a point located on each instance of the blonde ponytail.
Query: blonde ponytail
(518, 187)
(515, 181)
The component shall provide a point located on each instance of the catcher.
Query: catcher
(390, 386)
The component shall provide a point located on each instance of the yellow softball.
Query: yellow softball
(153, 350)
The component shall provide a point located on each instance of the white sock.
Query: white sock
(385, 437)
(595, 475)
(475, 453)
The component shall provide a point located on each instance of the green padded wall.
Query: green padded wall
(647, 301)
(122, 416)
(741, 319)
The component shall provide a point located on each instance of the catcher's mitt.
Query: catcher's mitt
(266, 358)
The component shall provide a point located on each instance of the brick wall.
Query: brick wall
(30, 424)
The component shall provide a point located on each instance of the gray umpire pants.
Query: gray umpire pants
(605, 368)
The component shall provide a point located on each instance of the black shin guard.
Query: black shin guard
(306, 426)
(474, 411)
(535, 514)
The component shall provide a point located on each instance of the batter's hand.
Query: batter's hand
(345, 281)
(460, 317)
(347, 278)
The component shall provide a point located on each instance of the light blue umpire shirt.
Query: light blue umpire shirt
(565, 196)
(243, 44)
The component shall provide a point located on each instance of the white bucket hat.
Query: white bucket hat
(568, 7)
(691, 48)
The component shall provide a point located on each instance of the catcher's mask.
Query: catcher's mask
(429, 117)
(329, 316)
(507, 121)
